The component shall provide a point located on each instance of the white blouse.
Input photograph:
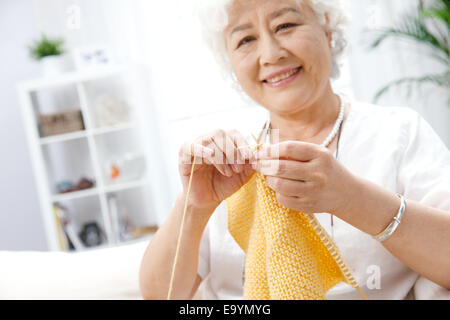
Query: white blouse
(391, 146)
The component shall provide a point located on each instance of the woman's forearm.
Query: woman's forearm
(422, 240)
(156, 266)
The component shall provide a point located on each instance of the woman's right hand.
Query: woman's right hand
(222, 167)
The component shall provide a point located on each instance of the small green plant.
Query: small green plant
(429, 27)
(46, 47)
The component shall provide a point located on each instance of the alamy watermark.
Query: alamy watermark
(73, 17)
(373, 281)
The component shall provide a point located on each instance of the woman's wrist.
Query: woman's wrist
(368, 207)
(198, 213)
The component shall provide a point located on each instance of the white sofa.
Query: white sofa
(110, 273)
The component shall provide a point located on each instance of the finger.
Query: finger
(242, 145)
(287, 187)
(295, 150)
(191, 153)
(218, 157)
(210, 160)
(191, 150)
(226, 146)
(205, 159)
(241, 150)
(289, 169)
(233, 154)
(217, 162)
(288, 202)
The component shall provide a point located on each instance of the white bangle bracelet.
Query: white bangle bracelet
(387, 233)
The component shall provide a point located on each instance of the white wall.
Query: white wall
(21, 226)
(371, 70)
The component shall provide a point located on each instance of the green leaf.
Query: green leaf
(441, 80)
(46, 47)
(428, 27)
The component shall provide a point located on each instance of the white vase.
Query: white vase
(55, 65)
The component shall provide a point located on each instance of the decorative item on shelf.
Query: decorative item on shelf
(63, 186)
(138, 232)
(51, 54)
(83, 184)
(69, 240)
(92, 235)
(128, 167)
(61, 122)
(92, 56)
(114, 216)
(111, 111)
(120, 223)
(124, 228)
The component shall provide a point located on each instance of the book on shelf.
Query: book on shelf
(114, 216)
(62, 237)
(67, 233)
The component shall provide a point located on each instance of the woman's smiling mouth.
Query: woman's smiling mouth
(283, 78)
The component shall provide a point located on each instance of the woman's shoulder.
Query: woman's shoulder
(389, 121)
(399, 127)
(387, 114)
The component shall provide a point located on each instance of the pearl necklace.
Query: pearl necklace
(331, 136)
(337, 126)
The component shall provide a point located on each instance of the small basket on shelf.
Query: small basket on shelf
(61, 122)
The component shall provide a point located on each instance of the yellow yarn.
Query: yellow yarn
(288, 254)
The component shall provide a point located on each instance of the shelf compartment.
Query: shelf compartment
(64, 137)
(125, 186)
(120, 157)
(69, 161)
(108, 102)
(133, 207)
(76, 195)
(86, 133)
(85, 227)
(112, 129)
(72, 78)
(57, 111)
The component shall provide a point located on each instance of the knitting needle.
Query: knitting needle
(180, 233)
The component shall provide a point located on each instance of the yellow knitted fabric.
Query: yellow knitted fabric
(288, 254)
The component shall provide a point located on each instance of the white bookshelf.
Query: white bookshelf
(85, 154)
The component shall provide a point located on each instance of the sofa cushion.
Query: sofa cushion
(109, 273)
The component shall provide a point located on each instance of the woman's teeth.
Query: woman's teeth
(283, 76)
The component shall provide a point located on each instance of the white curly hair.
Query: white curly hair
(213, 16)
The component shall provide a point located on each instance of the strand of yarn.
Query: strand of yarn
(180, 232)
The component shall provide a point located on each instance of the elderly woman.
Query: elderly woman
(354, 165)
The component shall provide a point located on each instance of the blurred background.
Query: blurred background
(98, 95)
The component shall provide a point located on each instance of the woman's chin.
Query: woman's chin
(286, 106)
(287, 99)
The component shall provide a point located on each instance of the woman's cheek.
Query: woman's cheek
(248, 69)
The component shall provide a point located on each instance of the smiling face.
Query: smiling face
(279, 52)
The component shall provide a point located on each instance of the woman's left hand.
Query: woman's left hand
(306, 177)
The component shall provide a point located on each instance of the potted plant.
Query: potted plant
(428, 27)
(51, 54)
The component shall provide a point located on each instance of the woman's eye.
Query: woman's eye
(245, 41)
(285, 26)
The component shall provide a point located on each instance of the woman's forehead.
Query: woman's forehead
(240, 10)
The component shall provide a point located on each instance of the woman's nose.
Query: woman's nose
(270, 51)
